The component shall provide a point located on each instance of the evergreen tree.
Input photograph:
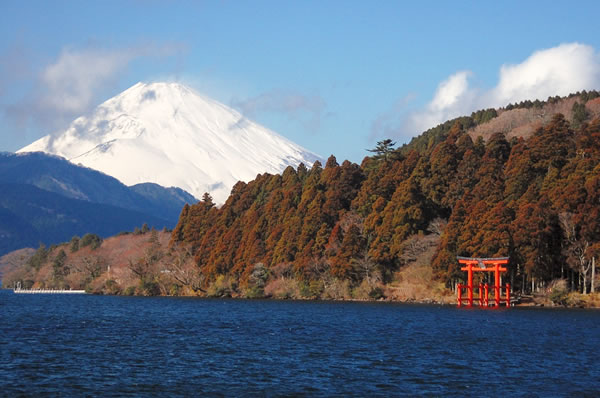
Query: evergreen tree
(384, 151)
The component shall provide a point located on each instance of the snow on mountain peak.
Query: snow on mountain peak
(168, 134)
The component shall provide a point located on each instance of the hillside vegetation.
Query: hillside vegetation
(535, 200)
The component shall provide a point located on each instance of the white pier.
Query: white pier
(47, 291)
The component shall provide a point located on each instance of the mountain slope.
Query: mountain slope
(29, 215)
(167, 201)
(55, 174)
(167, 134)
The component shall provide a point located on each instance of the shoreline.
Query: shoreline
(430, 302)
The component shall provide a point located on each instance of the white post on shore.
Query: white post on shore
(593, 273)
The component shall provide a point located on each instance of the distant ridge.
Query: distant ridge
(56, 174)
(30, 216)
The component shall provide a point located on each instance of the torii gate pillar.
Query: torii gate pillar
(497, 283)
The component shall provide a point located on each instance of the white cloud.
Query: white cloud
(70, 83)
(452, 98)
(556, 71)
(76, 81)
(560, 70)
(450, 91)
(387, 123)
(309, 110)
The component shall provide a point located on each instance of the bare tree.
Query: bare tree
(140, 268)
(317, 268)
(145, 268)
(181, 266)
(437, 226)
(91, 266)
(577, 247)
(366, 269)
(283, 270)
(415, 246)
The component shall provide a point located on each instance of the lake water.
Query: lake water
(82, 345)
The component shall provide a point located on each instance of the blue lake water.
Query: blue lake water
(82, 345)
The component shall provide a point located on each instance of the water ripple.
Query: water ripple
(121, 346)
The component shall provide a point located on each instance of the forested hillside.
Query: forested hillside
(535, 200)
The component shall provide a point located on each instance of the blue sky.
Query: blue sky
(333, 76)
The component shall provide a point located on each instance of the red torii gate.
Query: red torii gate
(484, 265)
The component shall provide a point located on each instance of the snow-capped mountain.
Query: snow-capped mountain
(168, 134)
